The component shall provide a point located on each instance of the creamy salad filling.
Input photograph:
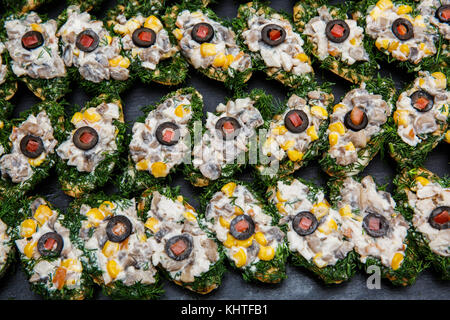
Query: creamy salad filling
(65, 270)
(3, 67)
(349, 51)
(169, 218)
(221, 52)
(15, 164)
(281, 143)
(128, 261)
(151, 56)
(428, 9)
(146, 150)
(379, 23)
(101, 119)
(288, 55)
(5, 245)
(414, 124)
(214, 153)
(43, 62)
(105, 61)
(345, 143)
(357, 201)
(327, 244)
(427, 196)
(228, 204)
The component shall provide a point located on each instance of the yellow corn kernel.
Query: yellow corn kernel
(228, 189)
(108, 39)
(77, 117)
(142, 165)
(107, 206)
(36, 27)
(401, 117)
(151, 224)
(319, 112)
(91, 115)
(393, 46)
(444, 110)
(113, 269)
(132, 25)
(312, 133)
(121, 29)
(440, 80)
(384, 4)
(27, 228)
(280, 197)
(280, 207)
(345, 211)
(337, 127)
(189, 216)
(182, 110)
(114, 62)
(238, 210)
(96, 215)
(208, 49)
(396, 261)
(224, 222)
(178, 33)
(302, 57)
(423, 181)
(76, 52)
(339, 105)
(295, 155)
(280, 130)
(229, 61)
(230, 242)
(72, 265)
(353, 41)
(110, 249)
(320, 209)
(124, 62)
(288, 144)
(159, 169)
(332, 224)
(316, 260)
(43, 212)
(438, 75)
(333, 138)
(180, 198)
(447, 136)
(28, 250)
(2, 124)
(260, 238)
(266, 253)
(153, 23)
(350, 147)
(404, 9)
(38, 161)
(142, 238)
(245, 243)
(382, 43)
(220, 60)
(404, 48)
(240, 258)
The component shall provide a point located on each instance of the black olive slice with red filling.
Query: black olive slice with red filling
(32, 40)
(273, 34)
(375, 225)
(296, 121)
(31, 146)
(242, 227)
(228, 128)
(168, 133)
(144, 37)
(356, 119)
(50, 244)
(403, 29)
(440, 218)
(443, 13)
(337, 30)
(422, 101)
(179, 247)
(85, 138)
(118, 228)
(87, 40)
(202, 32)
(304, 223)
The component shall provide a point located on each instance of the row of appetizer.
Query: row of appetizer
(150, 41)
(125, 245)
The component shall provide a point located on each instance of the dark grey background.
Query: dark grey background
(300, 283)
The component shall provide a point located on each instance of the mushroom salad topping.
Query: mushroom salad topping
(5, 245)
(337, 38)
(437, 12)
(3, 67)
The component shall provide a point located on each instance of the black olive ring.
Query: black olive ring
(160, 130)
(290, 126)
(208, 36)
(224, 135)
(142, 43)
(77, 138)
(187, 239)
(39, 36)
(439, 11)
(93, 35)
(24, 143)
(434, 213)
(245, 234)
(43, 239)
(330, 26)
(384, 225)
(350, 125)
(112, 223)
(421, 93)
(266, 37)
(298, 218)
(409, 29)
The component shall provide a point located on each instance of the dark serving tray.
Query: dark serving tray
(300, 283)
